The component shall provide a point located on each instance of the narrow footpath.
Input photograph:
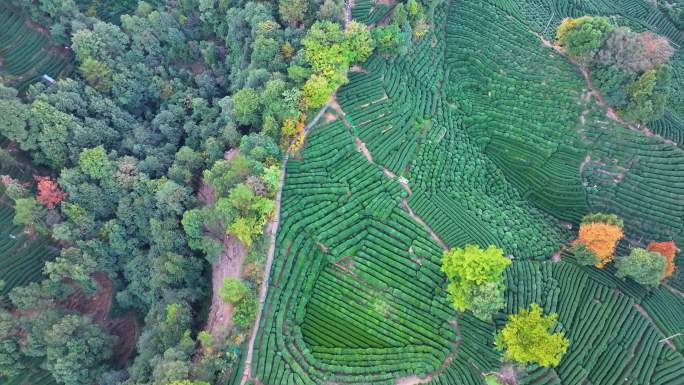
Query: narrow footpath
(361, 146)
(273, 229)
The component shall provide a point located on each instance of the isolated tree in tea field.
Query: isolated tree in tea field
(600, 234)
(643, 266)
(49, 193)
(474, 272)
(668, 250)
(527, 338)
(582, 37)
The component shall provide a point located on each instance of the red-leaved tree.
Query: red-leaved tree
(49, 193)
(668, 250)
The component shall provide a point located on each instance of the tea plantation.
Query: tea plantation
(25, 53)
(483, 134)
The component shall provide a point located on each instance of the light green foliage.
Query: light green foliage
(359, 42)
(330, 51)
(610, 219)
(324, 48)
(317, 91)
(245, 311)
(244, 229)
(241, 197)
(583, 36)
(471, 272)
(642, 266)
(233, 290)
(28, 212)
(246, 105)
(390, 39)
(527, 338)
(95, 162)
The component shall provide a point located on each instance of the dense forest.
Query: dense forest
(135, 182)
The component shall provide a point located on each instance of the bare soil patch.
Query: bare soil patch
(228, 265)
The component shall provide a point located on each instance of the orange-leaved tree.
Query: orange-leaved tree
(49, 193)
(600, 233)
(668, 250)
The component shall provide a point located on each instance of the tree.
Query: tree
(233, 290)
(246, 106)
(77, 350)
(470, 267)
(28, 212)
(634, 52)
(95, 162)
(317, 91)
(527, 338)
(244, 228)
(97, 74)
(49, 193)
(293, 11)
(583, 36)
(241, 197)
(668, 250)
(648, 95)
(643, 266)
(390, 39)
(583, 255)
(359, 43)
(600, 238)
(486, 299)
(245, 311)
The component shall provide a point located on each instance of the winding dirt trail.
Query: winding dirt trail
(609, 111)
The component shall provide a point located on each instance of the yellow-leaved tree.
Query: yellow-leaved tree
(527, 338)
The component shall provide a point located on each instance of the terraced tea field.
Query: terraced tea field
(25, 53)
(482, 134)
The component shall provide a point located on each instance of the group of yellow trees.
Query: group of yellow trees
(476, 283)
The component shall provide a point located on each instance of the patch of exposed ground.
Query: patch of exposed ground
(228, 265)
(98, 306)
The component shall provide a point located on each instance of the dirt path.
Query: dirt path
(609, 111)
(361, 147)
(229, 264)
(272, 231)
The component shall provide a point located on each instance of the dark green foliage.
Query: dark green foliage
(583, 255)
(648, 95)
(76, 350)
